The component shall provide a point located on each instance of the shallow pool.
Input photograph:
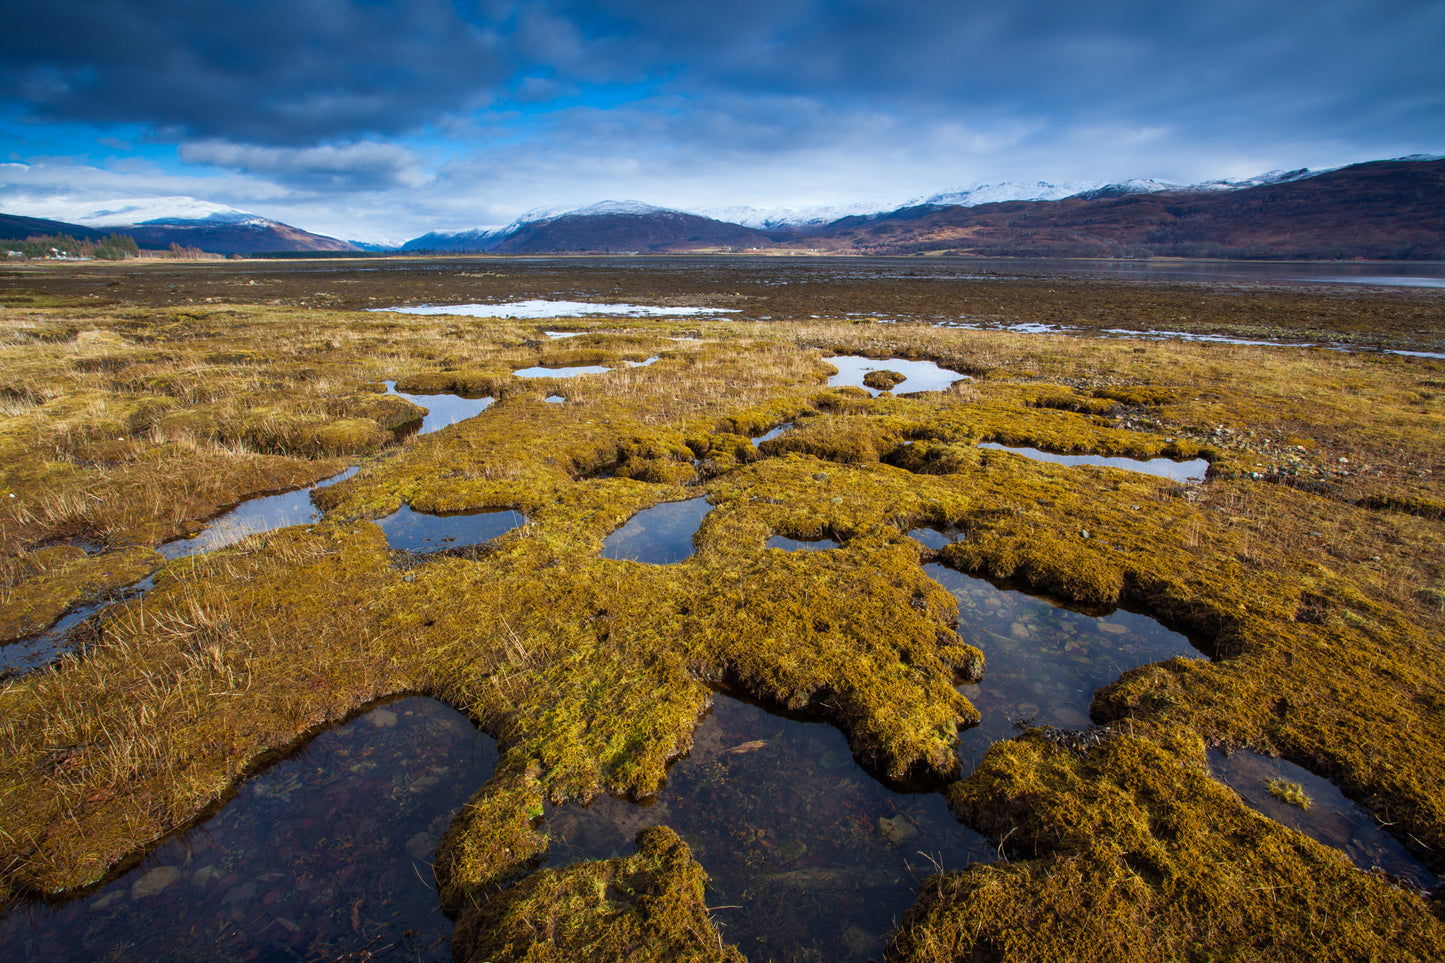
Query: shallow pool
(810, 857)
(323, 856)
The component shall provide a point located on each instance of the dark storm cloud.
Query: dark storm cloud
(266, 71)
(303, 72)
(1229, 64)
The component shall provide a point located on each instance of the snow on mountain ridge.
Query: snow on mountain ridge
(131, 211)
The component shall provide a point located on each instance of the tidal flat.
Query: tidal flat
(705, 735)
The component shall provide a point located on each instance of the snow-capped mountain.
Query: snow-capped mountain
(162, 221)
(1006, 191)
(127, 211)
(784, 218)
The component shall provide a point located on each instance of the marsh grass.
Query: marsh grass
(592, 673)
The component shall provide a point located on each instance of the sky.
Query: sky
(380, 121)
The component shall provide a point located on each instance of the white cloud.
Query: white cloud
(365, 165)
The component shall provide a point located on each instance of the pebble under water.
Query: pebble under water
(810, 857)
(1043, 662)
(325, 855)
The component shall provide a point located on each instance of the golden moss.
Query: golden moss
(1134, 853)
(645, 907)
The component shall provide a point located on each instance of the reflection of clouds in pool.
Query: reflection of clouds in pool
(443, 409)
(658, 535)
(538, 371)
(918, 375)
(1180, 471)
(413, 531)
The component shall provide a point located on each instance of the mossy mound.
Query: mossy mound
(1133, 852)
(644, 907)
(885, 380)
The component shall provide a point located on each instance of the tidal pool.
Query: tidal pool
(414, 531)
(658, 535)
(1192, 471)
(801, 544)
(919, 375)
(442, 409)
(810, 856)
(254, 516)
(1043, 662)
(1330, 819)
(325, 855)
(537, 371)
(42, 648)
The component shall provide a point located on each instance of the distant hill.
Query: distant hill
(613, 227)
(13, 227)
(161, 222)
(249, 237)
(1381, 209)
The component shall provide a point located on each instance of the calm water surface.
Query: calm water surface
(1330, 819)
(1193, 470)
(659, 535)
(919, 375)
(442, 409)
(810, 857)
(414, 531)
(1043, 662)
(324, 856)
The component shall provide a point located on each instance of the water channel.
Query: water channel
(1191, 471)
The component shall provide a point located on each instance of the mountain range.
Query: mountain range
(1378, 209)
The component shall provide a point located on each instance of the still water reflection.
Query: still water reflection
(659, 535)
(326, 855)
(810, 857)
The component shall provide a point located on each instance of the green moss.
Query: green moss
(1291, 793)
(645, 907)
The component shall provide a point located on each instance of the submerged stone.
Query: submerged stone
(799, 840)
(340, 854)
(1043, 662)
